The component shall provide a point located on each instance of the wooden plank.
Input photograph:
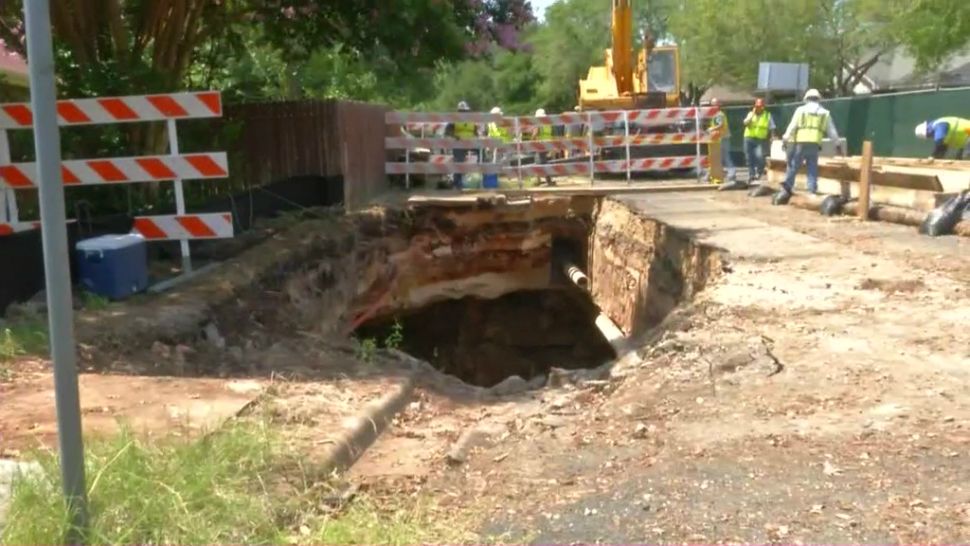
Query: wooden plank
(865, 174)
(909, 179)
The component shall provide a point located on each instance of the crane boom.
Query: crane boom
(649, 78)
(622, 47)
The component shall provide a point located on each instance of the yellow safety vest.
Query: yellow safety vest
(545, 132)
(957, 136)
(497, 131)
(720, 120)
(811, 128)
(464, 130)
(759, 126)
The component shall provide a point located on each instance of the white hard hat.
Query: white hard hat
(497, 110)
(921, 130)
(541, 113)
(812, 94)
(463, 106)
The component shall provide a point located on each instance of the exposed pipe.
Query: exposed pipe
(576, 275)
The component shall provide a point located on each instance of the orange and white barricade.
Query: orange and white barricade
(434, 123)
(174, 166)
(592, 143)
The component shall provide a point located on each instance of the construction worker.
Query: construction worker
(720, 134)
(810, 123)
(948, 133)
(501, 133)
(542, 132)
(461, 130)
(758, 126)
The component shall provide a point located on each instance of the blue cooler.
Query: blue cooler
(490, 181)
(113, 266)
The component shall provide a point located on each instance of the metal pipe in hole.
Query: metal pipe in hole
(576, 275)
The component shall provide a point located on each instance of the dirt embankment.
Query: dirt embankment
(641, 269)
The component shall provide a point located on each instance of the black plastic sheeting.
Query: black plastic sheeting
(941, 220)
(22, 274)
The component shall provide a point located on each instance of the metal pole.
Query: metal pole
(173, 148)
(626, 136)
(589, 143)
(697, 129)
(47, 143)
(407, 157)
(518, 150)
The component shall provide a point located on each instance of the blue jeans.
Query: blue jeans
(806, 153)
(726, 160)
(754, 153)
(457, 178)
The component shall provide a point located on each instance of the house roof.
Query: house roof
(13, 67)
(728, 95)
(897, 69)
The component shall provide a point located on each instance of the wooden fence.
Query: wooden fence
(340, 141)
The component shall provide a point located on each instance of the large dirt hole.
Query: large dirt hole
(483, 341)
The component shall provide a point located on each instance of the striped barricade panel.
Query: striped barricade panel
(441, 168)
(661, 116)
(408, 118)
(123, 170)
(400, 143)
(651, 164)
(539, 146)
(217, 225)
(107, 110)
(555, 169)
(8, 229)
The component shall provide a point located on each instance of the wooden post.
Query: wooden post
(865, 175)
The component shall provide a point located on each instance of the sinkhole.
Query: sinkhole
(484, 341)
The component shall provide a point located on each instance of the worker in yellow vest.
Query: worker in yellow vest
(758, 126)
(461, 130)
(809, 125)
(720, 135)
(542, 132)
(948, 133)
(499, 132)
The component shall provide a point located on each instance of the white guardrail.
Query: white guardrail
(425, 131)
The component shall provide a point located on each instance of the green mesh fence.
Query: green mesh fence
(887, 120)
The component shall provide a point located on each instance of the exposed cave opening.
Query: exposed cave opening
(483, 342)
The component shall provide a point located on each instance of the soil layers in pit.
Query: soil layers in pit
(475, 286)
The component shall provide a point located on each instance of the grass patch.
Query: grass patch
(93, 301)
(236, 486)
(23, 338)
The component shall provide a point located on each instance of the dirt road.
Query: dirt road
(813, 393)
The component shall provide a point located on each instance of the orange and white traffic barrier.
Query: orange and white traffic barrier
(216, 225)
(617, 166)
(660, 116)
(205, 104)
(616, 141)
(402, 143)
(442, 168)
(8, 229)
(123, 170)
(650, 164)
(439, 159)
(407, 118)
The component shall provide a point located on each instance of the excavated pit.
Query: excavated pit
(480, 288)
(483, 342)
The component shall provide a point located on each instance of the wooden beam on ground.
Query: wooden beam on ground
(865, 174)
(849, 188)
(609, 189)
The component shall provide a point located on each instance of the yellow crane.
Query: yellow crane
(652, 81)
